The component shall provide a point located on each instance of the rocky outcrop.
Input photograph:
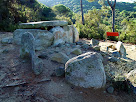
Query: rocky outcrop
(86, 70)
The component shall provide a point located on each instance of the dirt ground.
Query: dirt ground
(19, 84)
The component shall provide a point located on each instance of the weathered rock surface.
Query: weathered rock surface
(113, 59)
(76, 35)
(69, 33)
(43, 38)
(97, 48)
(86, 70)
(94, 42)
(37, 65)
(110, 89)
(60, 57)
(40, 24)
(116, 54)
(59, 35)
(7, 40)
(85, 46)
(121, 49)
(131, 76)
(60, 71)
(27, 46)
(76, 51)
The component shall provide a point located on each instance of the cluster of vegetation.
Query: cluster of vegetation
(14, 11)
(98, 19)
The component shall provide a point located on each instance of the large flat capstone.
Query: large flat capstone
(40, 24)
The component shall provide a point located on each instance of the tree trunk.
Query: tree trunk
(113, 20)
(82, 12)
(113, 14)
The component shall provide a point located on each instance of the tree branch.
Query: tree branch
(109, 3)
(114, 4)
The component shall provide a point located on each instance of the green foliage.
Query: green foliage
(14, 11)
(62, 10)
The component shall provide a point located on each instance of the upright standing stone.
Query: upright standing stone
(121, 49)
(27, 46)
(69, 33)
(86, 70)
(28, 51)
(75, 35)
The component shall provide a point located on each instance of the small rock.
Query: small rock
(76, 51)
(113, 59)
(110, 89)
(116, 54)
(5, 51)
(97, 48)
(85, 46)
(43, 56)
(67, 45)
(7, 40)
(73, 45)
(94, 42)
(37, 66)
(79, 43)
(60, 57)
(78, 46)
(60, 71)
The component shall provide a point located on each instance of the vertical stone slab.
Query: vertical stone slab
(69, 33)
(121, 49)
(28, 52)
(75, 35)
(27, 46)
(59, 35)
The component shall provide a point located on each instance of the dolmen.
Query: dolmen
(47, 33)
(37, 36)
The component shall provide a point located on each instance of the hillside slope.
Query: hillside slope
(74, 5)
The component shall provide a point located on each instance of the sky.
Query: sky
(131, 1)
